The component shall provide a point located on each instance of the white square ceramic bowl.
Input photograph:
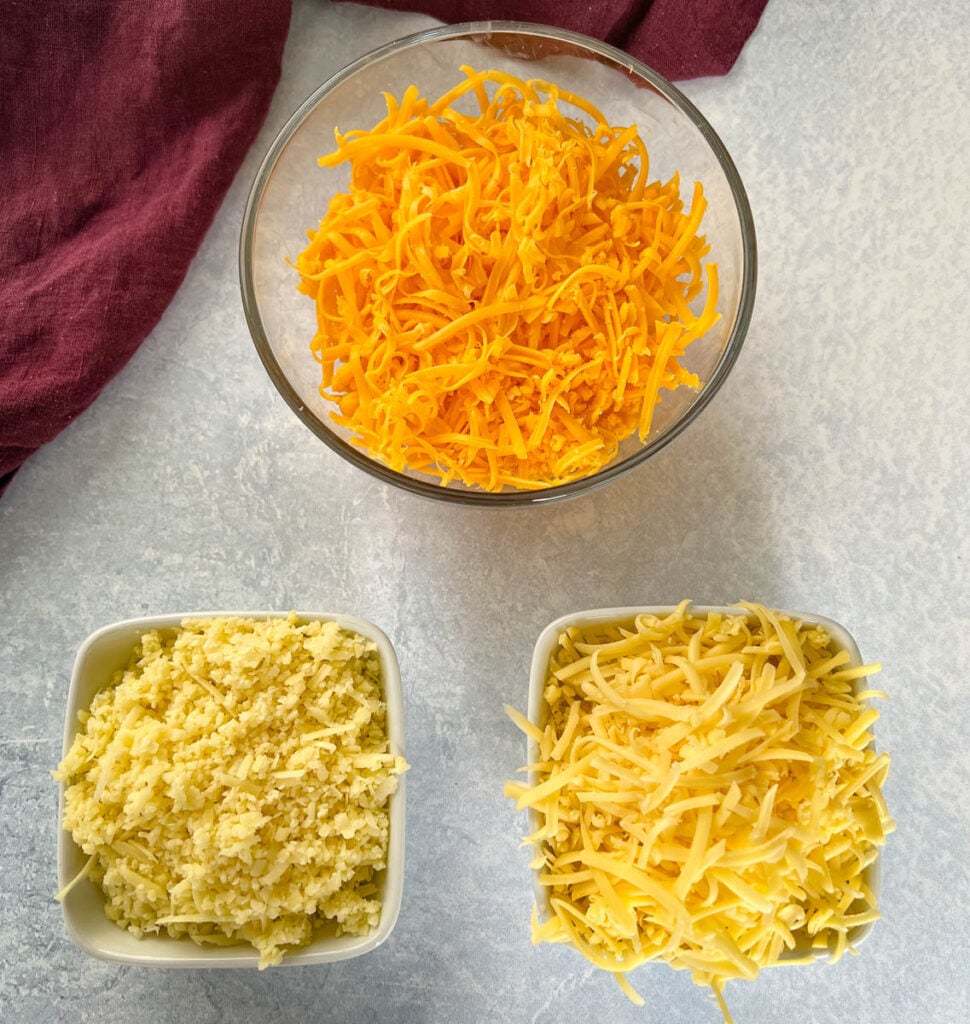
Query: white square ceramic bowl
(547, 643)
(100, 656)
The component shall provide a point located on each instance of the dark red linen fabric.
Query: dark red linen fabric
(122, 125)
(679, 38)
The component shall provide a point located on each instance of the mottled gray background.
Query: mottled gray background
(829, 475)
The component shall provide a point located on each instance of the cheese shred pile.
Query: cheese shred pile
(502, 293)
(232, 785)
(705, 793)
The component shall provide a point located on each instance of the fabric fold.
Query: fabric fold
(122, 125)
(681, 39)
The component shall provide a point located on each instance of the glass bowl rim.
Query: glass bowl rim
(476, 497)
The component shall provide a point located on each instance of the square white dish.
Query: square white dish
(546, 644)
(105, 652)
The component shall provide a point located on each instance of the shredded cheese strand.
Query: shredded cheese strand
(502, 295)
(722, 818)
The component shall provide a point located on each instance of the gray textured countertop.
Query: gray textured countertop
(830, 474)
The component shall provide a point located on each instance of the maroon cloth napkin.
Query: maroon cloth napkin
(122, 125)
(679, 38)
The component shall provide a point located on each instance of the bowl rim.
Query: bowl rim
(125, 949)
(541, 653)
(474, 497)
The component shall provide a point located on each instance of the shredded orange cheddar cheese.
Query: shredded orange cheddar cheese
(502, 293)
(704, 793)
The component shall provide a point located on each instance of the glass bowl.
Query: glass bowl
(291, 193)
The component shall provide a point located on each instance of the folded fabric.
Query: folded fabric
(679, 38)
(122, 125)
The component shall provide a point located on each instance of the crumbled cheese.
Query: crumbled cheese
(232, 784)
(706, 793)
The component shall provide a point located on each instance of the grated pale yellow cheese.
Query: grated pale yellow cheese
(232, 784)
(705, 793)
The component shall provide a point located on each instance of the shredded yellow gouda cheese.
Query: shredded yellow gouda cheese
(706, 793)
(502, 292)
